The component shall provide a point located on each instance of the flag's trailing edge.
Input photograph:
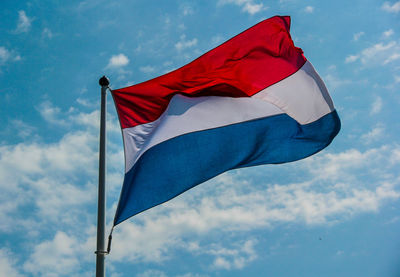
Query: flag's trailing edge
(253, 100)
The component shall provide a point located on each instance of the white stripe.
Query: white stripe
(302, 95)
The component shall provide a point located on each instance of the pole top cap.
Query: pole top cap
(104, 82)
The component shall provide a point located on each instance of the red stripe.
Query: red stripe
(241, 67)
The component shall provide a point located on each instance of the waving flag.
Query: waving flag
(253, 100)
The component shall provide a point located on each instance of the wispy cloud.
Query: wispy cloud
(23, 129)
(373, 135)
(147, 69)
(4, 55)
(24, 23)
(351, 58)
(51, 113)
(376, 106)
(87, 103)
(7, 55)
(388, 33)
(237, 258)
(184, 44)
(152, 273)
(216, 40)
(391, 58)
(186, 9)
(379, 49)
(392, 8)
(333, 81)
(378, 54)
(47, 33)
(357, 36)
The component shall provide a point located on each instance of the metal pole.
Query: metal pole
(101, 215)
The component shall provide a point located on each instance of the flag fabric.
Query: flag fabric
(255, 99)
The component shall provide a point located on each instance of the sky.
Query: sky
(336, 213)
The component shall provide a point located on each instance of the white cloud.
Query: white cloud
(4, 54)
(54, 115)
(152, 273)
(53, 184)
(192, 275)
(7, 55)
(351, 58)
(378, 49)
(159, 273)
(252, 8)
(23, 129)
(47, 33)
(187, 9)
(24, 22)
(87, 5)
(167, 21)
(57, 257)
(221, 262)
(357, 36)
(184, 44)
(92, 120)
(119, 60)
(44, 176)
(53, 200)
(7, 264)
(51, 113)
(391, 58)
(378, 54)
(247, 5)
(333, 82)
(375, 134)
(346, 165)
(388, 33)
(376, 106)
(394, 8)
(87, 103)
(309, 9)
(339, 252)
(182, 27)
(236, 258)
(216, 40)
(147, 69)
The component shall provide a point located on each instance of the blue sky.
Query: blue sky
(333, 214)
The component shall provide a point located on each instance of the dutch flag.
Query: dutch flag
(253, 100)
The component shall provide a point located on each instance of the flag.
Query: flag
(255, 99)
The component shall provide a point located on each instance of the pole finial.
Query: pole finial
(103, 81)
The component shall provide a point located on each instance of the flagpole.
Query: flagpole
(101, 205)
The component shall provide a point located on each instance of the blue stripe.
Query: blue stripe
(176, 165)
